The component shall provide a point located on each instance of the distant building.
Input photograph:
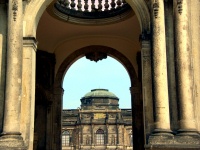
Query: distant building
(97, 124)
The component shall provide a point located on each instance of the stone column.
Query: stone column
(184, 68)
(160, 86)
(28, 90)
(11, 136)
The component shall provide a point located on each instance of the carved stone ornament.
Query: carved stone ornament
(155, 8)
(96, 56)
(15, 9)
(180, 6)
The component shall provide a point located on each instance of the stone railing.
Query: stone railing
(91, 5)
(92, 11)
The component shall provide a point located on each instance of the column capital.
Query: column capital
(30, 42)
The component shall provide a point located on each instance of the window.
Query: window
(100, 137)
(65, 138)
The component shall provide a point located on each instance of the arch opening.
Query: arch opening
(110, 42)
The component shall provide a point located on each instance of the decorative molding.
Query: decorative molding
(96, 56)
(15, 9)
(156, 8)
(180, 6)
(30, 42)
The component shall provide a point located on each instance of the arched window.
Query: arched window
(65, 138)
(100, 137)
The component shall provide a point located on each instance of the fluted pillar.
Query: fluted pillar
(160, 86)
(11, 136)
(184, 68)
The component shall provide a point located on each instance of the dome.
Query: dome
(99, 99)
(100, 93)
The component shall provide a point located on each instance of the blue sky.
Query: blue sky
(85, 75)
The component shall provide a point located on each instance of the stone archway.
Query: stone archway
(135, 89)
(30, 25)
(34, 9)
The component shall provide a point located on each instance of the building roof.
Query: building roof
(100, 93)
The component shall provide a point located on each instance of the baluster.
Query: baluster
(123, 2)
(61, 2)
(100, 5)
(73, 4)
(112, 4)
(79, 5)
(106, 5)
(86, 6)
(93, 5)
(66, 3)
(119, 3)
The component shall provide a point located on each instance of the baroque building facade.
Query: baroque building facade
(157, 41)
(97, 124)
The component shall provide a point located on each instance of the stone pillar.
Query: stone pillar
(160, 86)
(184, 68)
(28, 91)
(11, 136)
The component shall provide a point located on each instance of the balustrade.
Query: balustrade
(91, 5)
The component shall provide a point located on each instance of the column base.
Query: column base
(180, 141)
(12, 142)
(192, 132)
(160, 137)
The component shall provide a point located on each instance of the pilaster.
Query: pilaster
(11, 137)
(147, 83)
(58, 99)
(28, 90)
(137, 114)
